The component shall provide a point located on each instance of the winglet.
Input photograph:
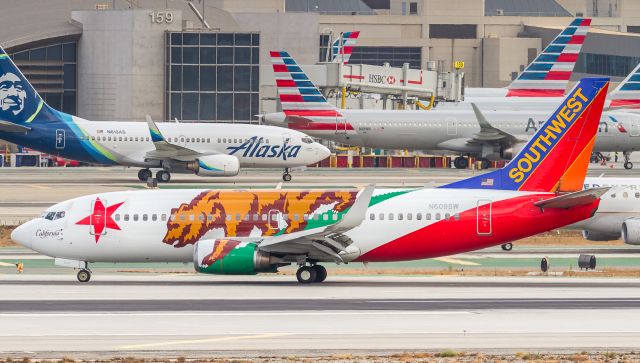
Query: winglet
(156, 135)
(557, 156)
(570, 200)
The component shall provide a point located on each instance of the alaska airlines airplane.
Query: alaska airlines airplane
(250, 231)
(493, 135)
(206, 149)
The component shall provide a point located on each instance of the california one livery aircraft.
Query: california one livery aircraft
(205, 149)
(250, 231)
(493, 135)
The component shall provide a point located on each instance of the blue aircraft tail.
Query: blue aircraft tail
(19, 101)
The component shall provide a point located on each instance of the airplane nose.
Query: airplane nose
(23, 234)
(323, 151)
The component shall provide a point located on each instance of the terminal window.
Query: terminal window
(377, 56)
(605, 64)
(212, 76)
(51, 69)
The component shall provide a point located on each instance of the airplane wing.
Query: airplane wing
(489, 133)
(575, 199)
(167, 150)
(323, 242)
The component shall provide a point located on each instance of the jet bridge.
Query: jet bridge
(393, 81)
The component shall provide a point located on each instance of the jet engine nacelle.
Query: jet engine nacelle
(510, 152)
(231, 257)
(599, 236)
(631, 231)
(215, 165)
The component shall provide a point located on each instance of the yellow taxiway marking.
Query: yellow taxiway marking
(209, 340)
(456, 261)
(39, 186)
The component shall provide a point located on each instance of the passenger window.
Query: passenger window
(191, 218)
(264, 217)
(427, 216)
(208, 140)
(144, 217)
(613, 195)
(109, 138)
(295, 217)
(201, 217)
(120, 138)
(147, 138)
(255, 217)
(625, 195)
(456, 216)
(154, 217)
(135, 217)
(306, 217)
(117, 217)
(228, 217)
(163, 217)
(246, 217)
(219, 140)
(136, 138)
(238, 217)
(209, 217)
(447, 215)
(419, 216)
(390, 216)
(335, 216)
(198, 139)
(325, 217)
(285, 217)
(182, 218)
(173, 218)
(400, 216)
(381, 216)
(126, 217)
(437, 216)
(637, 194)
(409, 216)
(372, 216)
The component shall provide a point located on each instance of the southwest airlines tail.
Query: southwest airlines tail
(342, 47)
(20, 104)
(627, 94)
(549, 73)
(556, 158)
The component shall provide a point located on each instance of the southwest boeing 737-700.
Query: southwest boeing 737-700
(250, 231)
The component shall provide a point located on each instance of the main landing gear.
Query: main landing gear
(484, 163)
(162, 176)
(309, 274)
(286, 176)
(461, 162)
(627, 164)
(84, 275)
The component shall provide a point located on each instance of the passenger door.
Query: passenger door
(341, 125)
(452, 127)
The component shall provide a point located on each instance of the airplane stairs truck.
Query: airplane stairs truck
(251, 231)
(206, 149)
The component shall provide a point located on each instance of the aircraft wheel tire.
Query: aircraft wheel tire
(507, 246)
(628, 165)
(144, 174)
(286, 177)
(306, 275)
(163, 176)
(484, 163)
(84, 275)
(460, 162)
(321, 273)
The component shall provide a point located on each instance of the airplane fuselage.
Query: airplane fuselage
(400, 224)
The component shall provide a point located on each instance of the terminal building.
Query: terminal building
(208, 60)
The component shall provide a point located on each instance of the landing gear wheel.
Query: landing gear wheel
(484, 163)
(507, 246)
(321, 273)
(163, 176)
(84, 275)
(144, 174)
(460, 162)
(628, 165)
(306, 275)
(286, 177)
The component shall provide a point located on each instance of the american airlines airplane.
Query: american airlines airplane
(251, 231)
(492, 135)
(205, 149)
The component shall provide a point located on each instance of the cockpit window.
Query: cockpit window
(307, 140)
(50, 216)
(59, 215)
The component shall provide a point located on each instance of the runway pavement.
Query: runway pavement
(272, 315)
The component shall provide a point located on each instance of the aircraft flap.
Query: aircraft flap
(566, 201)
(6, 126)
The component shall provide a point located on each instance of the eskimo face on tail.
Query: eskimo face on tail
(12, 94)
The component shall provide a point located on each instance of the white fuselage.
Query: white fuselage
(451, 130)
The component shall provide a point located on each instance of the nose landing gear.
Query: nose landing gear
(627, 163)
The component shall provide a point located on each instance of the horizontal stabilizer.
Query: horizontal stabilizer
(6, 126)
(571, 200)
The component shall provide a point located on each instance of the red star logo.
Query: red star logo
(101, 218)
